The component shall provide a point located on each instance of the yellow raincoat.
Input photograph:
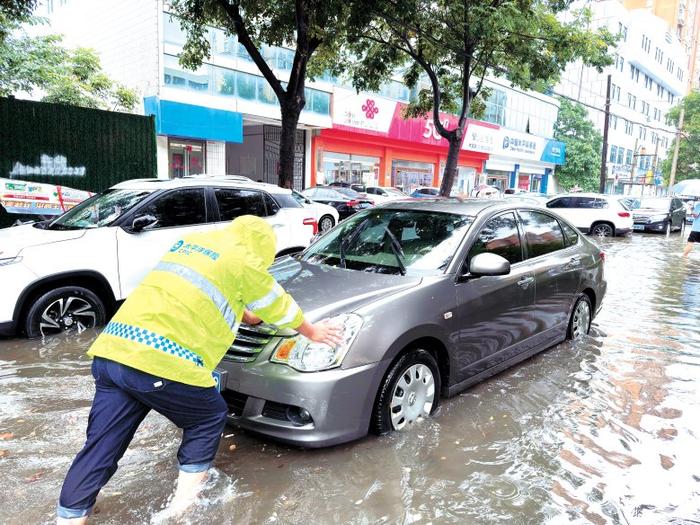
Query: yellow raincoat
(183, 317)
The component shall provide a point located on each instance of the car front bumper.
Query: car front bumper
(266, 398)
(657, 226)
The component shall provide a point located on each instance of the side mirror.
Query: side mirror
(487, 264)
(142, 222)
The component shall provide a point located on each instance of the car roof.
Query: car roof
(234, 181)
(470, 207)
(588, 194)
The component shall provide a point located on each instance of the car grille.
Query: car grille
(235, 401)
(249, 342)
(275, 410)
(640, 218)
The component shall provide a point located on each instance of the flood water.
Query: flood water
(602, 431)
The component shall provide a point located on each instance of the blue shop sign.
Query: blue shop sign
(554, 152)
(195, 122)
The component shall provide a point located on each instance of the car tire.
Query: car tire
(325, 223)
(602, 229)
(415, 377)
(581, 317)
(64, 309)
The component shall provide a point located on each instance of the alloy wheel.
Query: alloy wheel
(67, 313)
(325, 224)
(582, 320)
(602, 230)
(413, 396)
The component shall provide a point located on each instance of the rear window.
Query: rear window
(543, 233)
(286, 200)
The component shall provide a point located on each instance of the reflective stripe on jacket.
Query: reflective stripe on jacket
(182, 318)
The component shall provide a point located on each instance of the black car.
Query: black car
(657, 214)
(346, 200)
(355, 186)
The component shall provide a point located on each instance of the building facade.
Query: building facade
(649, 76)
(225, 118)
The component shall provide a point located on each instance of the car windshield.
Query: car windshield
(348, 192)
(392, 241)
(100, 210)
(298, 197)
(651, 204)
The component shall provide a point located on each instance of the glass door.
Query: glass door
(185, 157)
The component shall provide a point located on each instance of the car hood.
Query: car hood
(16, 238)
(648, 212)
(323, 291)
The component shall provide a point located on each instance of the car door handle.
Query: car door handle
(574, 262)
(525, 282)
(277, 225)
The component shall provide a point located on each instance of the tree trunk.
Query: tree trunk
(290, 119)
(450, 173)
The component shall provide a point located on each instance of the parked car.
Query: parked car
(381, 194)
(346, 200)
(326, 216)
(360, 188)
(594, 213)
(658, 214)
(434, 296)
(425, 193)
(71, 272)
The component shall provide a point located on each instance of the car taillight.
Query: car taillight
(623, 213)
(311, 222)
(353, 202)
(602, 256)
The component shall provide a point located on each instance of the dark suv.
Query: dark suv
(657, 214)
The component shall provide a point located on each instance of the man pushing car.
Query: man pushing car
(160, 348)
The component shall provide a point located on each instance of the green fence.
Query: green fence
(81, 148)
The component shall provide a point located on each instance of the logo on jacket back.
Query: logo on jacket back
(189, 248)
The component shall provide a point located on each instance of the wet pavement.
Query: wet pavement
(602, 431)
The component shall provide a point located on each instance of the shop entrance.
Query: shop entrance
(409, 175)
(185, 157)
(343, 167)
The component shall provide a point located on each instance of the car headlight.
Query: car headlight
(305, 355)
(10, 260)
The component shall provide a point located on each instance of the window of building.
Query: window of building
(620, 155)
(542, 233)
(657, 114)
(613, 153)
(679, 74)
(654, 137)
(642, 132)
(619, 62)
(631, 101)
(613, 121)
(646, 43)
(628, 157)
(648, 82)
(669, 65)
(659, 56)
(629, 127)
(645, 108)
(496, 107)
(622, 31)
(671, 98)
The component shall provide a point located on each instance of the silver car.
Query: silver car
(434, 295)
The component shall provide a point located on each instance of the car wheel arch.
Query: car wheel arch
(93, 281)
(591, 295)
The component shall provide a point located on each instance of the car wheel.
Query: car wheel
(580, 322)
(325, 223)
(69, 308)
(602, 229)
(410, 391)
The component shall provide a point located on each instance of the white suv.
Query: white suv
(72, 271)
(594, 213)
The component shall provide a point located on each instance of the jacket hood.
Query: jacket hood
(255, 238)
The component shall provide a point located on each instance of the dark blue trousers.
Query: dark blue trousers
(123, 398)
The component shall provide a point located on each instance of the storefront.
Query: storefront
(370, 143)
(516, 160)
(191, 139)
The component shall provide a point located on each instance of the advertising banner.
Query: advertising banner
(503, 142)
(33, 198)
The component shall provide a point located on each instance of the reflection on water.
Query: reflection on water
(602, 431)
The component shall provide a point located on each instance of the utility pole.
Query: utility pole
(674, 163)
(604, 154)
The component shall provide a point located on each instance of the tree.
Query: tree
(456, 43)
(41, 64)
(688, 166)
(316, 28)
(583, 145)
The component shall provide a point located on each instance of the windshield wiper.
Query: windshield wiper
(345, 242)
(397, 249)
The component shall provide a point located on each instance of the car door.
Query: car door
(494, 314)
(177, 213)
(557, 271)
(677, 212)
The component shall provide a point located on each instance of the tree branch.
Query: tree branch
(234, 13)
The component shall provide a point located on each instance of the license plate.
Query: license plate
(220, 377)
(638, 227)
